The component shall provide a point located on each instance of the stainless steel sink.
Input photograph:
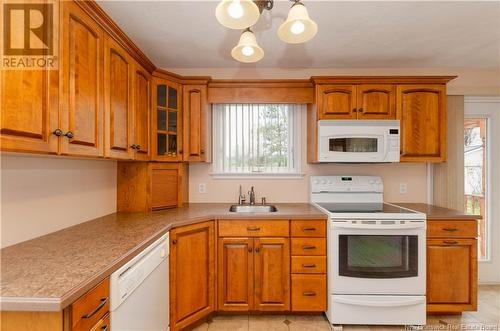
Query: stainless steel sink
(253, 209)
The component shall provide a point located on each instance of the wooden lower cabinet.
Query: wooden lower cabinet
(235, 272)
(272, 274)
(451, 266)
(451, 275)
(192, 273)
(254, 274)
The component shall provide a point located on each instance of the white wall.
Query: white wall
(42, 194)
(297, 190)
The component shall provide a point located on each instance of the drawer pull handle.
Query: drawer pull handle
(450, 242)
(253, 228)
(308, 229)
(104, 327)
(450, 229)
(93, 312)
(309, 294)
(309, 265)
(308, 247)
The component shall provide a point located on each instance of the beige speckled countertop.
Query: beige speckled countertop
(439, 213)
(50, 272)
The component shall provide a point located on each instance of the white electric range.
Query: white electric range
(376, 253)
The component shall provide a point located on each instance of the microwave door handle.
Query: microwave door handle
(398, 303)
(379, 227)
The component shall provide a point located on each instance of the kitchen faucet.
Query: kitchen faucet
(251, 196)
(241, 197)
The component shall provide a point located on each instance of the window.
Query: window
(475, 177)
(257, 139)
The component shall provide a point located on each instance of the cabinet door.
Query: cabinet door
(29, 110)
(142, 119)
(422, 112)
(451, 274)
(376, 101)
(336, 102)
(235, 274)
(117, 94)
(192, 273)
(166, 121)
(81, 78)
(195, 121)
(272, 274)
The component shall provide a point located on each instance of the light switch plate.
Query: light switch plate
(202, 188)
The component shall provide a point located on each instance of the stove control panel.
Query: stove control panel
(347, 184)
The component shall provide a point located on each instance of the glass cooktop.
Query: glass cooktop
(364, 208)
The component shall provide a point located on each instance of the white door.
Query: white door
(482, 179)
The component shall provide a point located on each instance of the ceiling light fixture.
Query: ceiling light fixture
(237, 14)
(242, 14)
(298, 27)
(247, 50)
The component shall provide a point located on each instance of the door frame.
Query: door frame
(489, 108)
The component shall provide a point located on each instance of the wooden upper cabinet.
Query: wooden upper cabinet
(422, 112)
(118, 120)
(336, 102)
(142, 113)
(166, 123)
(192, 273)
(196, 116)
(451, 274)
(29, 110)
(272, 274)
(235, 274)
(81, 78)
(376, 101)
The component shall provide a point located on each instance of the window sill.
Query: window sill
(257, 175)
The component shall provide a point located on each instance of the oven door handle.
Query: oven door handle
(399, 303)
(379, 226)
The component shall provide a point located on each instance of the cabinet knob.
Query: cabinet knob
(250, 250)
(360, 110)
(133, 146)
(354, 110)
(174, 242)
(69, 134)
(138, 147)
(57, 132)
(257, 250)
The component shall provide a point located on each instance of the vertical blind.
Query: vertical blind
(256, 138)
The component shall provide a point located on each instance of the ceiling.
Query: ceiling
(352, 34)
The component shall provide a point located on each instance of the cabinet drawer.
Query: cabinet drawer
(309, 264)
(455, 229)
(90, 308)
(308, 292)
(308, 246)
(102, 325)
(306, 228)
(254, 228)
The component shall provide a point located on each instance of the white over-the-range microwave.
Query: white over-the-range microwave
(352, 141)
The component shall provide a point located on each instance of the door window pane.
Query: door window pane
(475, 162)
(172, 121)
(162, 143)
(172, 98)
(161, 91)
(162, 119)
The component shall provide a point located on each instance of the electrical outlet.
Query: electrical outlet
(403, 188)
(202, 188)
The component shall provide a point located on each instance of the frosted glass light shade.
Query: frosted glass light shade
(298, 27)
(237, 14)
(247, 50)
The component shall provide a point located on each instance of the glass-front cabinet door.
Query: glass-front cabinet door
(167, 132)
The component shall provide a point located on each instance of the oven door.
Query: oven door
(352, 148)
(384, 258)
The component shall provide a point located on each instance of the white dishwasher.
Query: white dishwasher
(139, 291)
